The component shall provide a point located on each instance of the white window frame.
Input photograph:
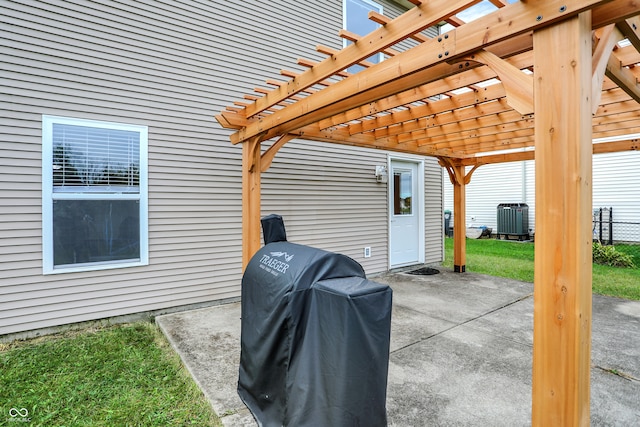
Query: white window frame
(373, 5)
(48, 196)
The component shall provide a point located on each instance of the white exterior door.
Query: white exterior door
(406, 213)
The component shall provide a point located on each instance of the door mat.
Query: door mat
(424, 271)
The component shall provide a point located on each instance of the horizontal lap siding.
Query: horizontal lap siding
(170, 66)
(434, 206)
(616, 185)
(329, 198)
(490, 185)
(530, 192)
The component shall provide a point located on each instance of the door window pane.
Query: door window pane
(402, 192)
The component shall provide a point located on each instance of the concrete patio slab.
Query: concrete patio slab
(461, 353)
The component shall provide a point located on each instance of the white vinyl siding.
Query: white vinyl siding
(329, 200)
(482, 210)
(490, 185)
(433, 208)
(615, 185)
(169, 66)
(530, 191)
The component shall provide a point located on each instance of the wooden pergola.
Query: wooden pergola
(536, 79)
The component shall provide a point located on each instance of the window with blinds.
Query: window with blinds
(95, 159)
(94, 195)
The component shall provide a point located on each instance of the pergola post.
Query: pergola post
(251, 170)
(459, 220)
(562, 290)
(459, 179)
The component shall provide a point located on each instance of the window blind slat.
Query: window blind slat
(95, 157)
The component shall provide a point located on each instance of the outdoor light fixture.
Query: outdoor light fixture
(381, 174)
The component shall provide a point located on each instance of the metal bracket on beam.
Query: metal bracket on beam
(447, 45)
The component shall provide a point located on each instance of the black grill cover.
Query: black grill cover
(315, 339)
(273, 229)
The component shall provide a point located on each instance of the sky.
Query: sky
(474, 12)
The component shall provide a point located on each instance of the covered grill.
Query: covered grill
(315, 337)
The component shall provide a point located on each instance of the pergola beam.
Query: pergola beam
(450, 110)
(430, 110)
(390, 130)
(469, 76)
(517, 84)
(341, 136)
(623, 77)
(452, 134)
(433, 116)
(413, 21)
(493, 125)
(617, 146)
(507, 125)
(417, 66)
(521, 156)
(612, 12)
(628, 55)
(631, 30)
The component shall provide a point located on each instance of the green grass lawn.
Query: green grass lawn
(124, 375)
(128, 375)
(515, 260)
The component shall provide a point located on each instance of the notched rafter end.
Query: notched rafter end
(231, 120)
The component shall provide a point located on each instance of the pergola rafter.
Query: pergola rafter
(429, 61)
(389, 124)
(533, 80)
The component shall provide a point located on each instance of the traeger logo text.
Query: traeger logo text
(273, 265)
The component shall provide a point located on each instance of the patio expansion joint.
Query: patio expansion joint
(522, 298)
(618, 373)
